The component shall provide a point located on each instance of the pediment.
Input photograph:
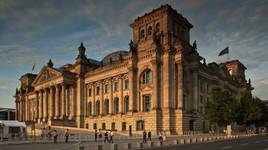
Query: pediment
(46, 74)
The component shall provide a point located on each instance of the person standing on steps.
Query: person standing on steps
(149, 136)
(96, 135)
(67, 134)
(55, 136)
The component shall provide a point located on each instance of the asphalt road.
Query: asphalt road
(248, 143)
(251, 143)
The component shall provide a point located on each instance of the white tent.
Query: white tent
(7, 128)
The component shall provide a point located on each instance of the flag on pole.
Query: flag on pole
(33, 67)
(224, 51)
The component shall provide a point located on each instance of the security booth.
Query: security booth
(12, 129)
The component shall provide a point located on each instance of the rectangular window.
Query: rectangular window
(89, 92)
(146, 103)
(97, 90)
(113, 126)
(115, 86)
(126, 84)
(103, 126)
(95, 126)
(106, 88)
(87, 125)
(201, 99)
(140, 125)
(124, 126)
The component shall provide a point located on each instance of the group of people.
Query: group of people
(147, 136)
(108, 136)
(53, 133)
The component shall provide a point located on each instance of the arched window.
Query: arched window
(126, 104)
(106, 106)
(142, 34)
(116, 105)
(97, 108)
(146, 99)
(149, 32)
(157, 28)
(90, 108)
(146, 77)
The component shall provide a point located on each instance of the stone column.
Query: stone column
(93, 100)
(37, 105)
(121, 99)
(67, 101)
(41, 102)
(56, 102)
(51, 103)
(155, 85)
(180, 85)
(45, 104)
(63, 101)
(111, 97)
(195, 90)
(101, 98)
(72, 103)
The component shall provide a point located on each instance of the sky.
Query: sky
(33, 31)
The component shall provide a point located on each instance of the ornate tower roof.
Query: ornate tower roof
(81, 57)
(50, 63)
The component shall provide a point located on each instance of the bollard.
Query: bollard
(175, 142)
(113, 146)
(182, 141)
(97, 147)
(139, 145)
(188, 141)
(193, 140)
(150, 144)
(200, 139)
(127, 146)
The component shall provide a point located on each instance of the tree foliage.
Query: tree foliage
(222, 109)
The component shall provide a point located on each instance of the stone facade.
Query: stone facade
(160, 83)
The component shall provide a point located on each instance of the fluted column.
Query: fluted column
(45, 104)
(56, 102)
(111, 97)
(67, 103)
(41, 101)
(63, 100)
(37, 105)
(101, 98)
(121, 95)
(180, 85)
(72, 103)
(51, 111)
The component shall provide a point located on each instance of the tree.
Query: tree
(222, 109)
(251, 110)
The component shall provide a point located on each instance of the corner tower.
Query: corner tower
(163, 25)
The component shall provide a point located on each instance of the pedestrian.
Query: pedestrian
(164, 136)
(96, 135)
(160, 138)
(43, 134)
(149, 136)
(106, 137)
(144, 136)
(67, 134)
(100, 134)
(49, 133)
(55, 136)
(111, 136)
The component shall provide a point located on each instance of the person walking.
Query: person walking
(96, 135)
(55, 136)
(100, 135)
(106, 137)
(160, 138)
(67, 134)
(49, 133)
(149, 136)
(144, 136)
(111, 137)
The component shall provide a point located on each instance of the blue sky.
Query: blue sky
(33, 31)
